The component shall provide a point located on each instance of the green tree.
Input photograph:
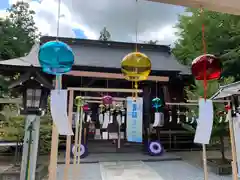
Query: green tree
(105, 35)
(220, 129)
(222, 35)
(18, 33)
(153, 42)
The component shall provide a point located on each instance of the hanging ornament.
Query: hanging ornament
(186, 117)
(107, 100)
(193, 117)
(85, 107)
(79, 101)
(136, 67)
(101, 108)
(178, 116)
(156, 103)
(56, 57)
(170, 116)
(212, 64)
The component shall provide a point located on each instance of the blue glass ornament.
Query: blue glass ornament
(156, 103)
(56, 57)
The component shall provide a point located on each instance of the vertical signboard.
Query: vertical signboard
(236, 130)
(134, 119)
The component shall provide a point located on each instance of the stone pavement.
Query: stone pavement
(138, 170)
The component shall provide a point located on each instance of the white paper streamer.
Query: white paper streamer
(156, 119)
(100, 117)
(106, 120)
(88, 118)
(58, 106)
(119, 119)
(205, 122)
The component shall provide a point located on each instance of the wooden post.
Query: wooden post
(52, 169)
(204, 156)
(69, 138)
(233, 145)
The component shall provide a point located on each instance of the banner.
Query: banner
(134, 119)
(236, 130)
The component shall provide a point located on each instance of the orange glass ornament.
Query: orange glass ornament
(136, 66)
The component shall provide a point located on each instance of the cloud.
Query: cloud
(152, 21)
(47, 16)
(155, 20)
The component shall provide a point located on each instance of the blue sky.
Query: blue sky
(4, 4)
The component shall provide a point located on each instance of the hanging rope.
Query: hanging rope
(136, 27)
(58, 18)
(205, 52)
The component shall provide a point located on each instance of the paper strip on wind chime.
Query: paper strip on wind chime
(59, 111)
(106, 120)
(205, 122)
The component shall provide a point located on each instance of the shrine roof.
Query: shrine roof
(105, 54)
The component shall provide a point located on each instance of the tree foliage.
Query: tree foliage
(220, 129)
(105, 35)
(222, 35)
(18, 32)
(153, 42)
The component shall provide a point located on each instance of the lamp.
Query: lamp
(35, 90)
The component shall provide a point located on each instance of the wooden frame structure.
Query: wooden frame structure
(231, 133)
(55, 136)
(230, 6)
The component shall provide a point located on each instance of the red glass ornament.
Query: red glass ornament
(85, 107)
(107, 99)
(227, 107)
(213, 67)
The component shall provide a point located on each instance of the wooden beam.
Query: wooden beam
(84, 89)
(10, 101)
(224, 6)
(100, 98)
(112, 75)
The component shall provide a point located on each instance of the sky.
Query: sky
(122, 18)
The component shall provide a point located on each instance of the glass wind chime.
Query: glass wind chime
(136, 66)
(157, 104)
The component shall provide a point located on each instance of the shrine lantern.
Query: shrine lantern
(56, 57)
(208, 66)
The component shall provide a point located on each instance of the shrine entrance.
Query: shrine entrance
(103, 129)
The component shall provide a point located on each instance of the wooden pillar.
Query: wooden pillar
(146, 113)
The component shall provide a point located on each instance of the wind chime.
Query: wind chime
(136, 66)
(56, 58)
(157, 104)
(154, 146)
(78, 147)
(106, 112)
(205, 67)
